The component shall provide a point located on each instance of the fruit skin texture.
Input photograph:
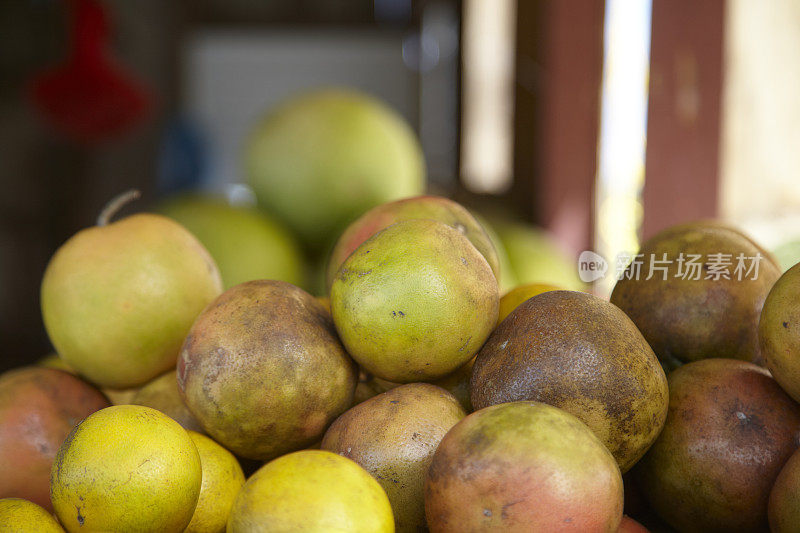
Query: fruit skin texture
(456, 383)
(414, 302)
(21, 516)
(513, 298)
(222, 480)
(322, 159)
(582, 354)
(245, 243)
(393, 437)
(783, 509)
(164, 394)
(779, 331)
(38, 408)
(117, 300)
(263, 371)
(729, 431)
(427, 207)
(311, 491)
(126, 468)
(521, 467)
(688, 320)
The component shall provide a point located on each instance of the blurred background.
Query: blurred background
(566, 125)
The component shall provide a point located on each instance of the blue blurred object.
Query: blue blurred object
(182, 161)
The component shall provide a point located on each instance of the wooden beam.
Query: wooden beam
(559, 74)
(683, 130)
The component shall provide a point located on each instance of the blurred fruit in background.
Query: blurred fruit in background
(245, 243)
(788, 254)
(321, 159)
(508, 278)
(535, 257)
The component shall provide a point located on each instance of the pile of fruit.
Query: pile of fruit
(412, 397)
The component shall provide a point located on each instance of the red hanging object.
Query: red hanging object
(90, 97)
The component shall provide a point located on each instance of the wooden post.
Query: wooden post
(559, 74)
(683, 130)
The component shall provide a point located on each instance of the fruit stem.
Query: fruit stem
(115, 204)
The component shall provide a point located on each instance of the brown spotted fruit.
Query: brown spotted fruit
(415, 301)
(393, 436)
(698, 293)
(779, 331)
(429, 207)
(263, 371)
(729, 430)
(582, 354)
(38, 408)
(522, 467)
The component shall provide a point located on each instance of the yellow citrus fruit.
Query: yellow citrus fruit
(519, 294)
(312, 491)
(222, 480)
(21, 516)
(126, 468)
